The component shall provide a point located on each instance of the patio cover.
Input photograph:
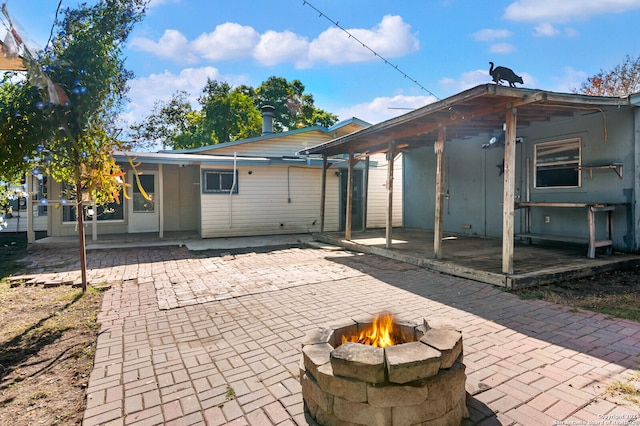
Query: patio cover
(482, 109)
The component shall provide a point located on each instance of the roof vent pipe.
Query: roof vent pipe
(268, 114)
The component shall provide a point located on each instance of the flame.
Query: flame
(379, 334)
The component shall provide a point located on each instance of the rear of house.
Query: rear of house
(256, 186)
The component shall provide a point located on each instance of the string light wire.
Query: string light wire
(386, 61)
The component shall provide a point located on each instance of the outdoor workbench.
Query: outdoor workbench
(591, 208)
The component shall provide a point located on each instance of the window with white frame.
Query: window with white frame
(112, 211)
(557, 164)
(41, 186)
(219, 181)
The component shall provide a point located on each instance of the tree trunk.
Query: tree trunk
(83, 247)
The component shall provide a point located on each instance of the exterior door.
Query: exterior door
(357, 203)
(143, 211)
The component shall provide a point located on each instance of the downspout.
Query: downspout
(233, 187)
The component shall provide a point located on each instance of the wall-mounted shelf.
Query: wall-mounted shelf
(616, 167)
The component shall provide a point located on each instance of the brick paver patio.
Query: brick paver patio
(190, 339)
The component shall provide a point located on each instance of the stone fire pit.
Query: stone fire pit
(420, 381)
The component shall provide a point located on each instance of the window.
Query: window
(220, 181)
(142, 204)
(42, 193)
(111, 211)
(557, 164)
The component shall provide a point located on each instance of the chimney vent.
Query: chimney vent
(268, 114)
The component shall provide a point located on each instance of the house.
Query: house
(255, 186)
(9, 60)
(515, 163)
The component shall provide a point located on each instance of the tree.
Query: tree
(293, 108)
(59, 119)
(227, 114)
(173, 122)
(622, 80)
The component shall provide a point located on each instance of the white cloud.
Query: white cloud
(466, 81)
(570, 80)
(470, 79)
(570, 32)
(545, 30)
(277, 47)
(390, 38)
(384, 108)
(145, 91)
(227, 41)
(502, 48)
(171, 45)
(491, 35)
(565, 10)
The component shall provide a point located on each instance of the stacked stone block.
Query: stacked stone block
(420, 382)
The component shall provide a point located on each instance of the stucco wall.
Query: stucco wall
(474, 188)
(377, 192)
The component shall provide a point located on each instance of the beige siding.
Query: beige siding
(377, 195)
(270, 200)
(274, 147)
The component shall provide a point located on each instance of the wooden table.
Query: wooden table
(592, 209)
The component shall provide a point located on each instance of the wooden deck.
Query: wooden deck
(480, 259)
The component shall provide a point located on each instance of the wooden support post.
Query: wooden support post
(348, 221)
(31, 191)
(365, 191)
(160, 201)
(439, 213)
(508, 200)
(591, 252)
(323, 193)
(389, 224)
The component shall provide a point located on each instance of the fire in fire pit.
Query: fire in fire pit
(382, 371)
(381, 333)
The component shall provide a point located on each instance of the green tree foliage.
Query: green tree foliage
(21, 125)
(293, 108)
(622, 80)
(59, 119)
(173, 122)
(228, 114)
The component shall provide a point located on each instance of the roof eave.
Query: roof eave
(519, 96)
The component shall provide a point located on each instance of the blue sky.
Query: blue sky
(445, 45)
